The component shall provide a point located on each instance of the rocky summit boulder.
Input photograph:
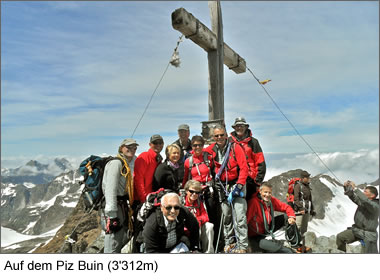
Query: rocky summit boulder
(322, 195)
(80, 230)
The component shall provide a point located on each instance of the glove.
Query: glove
(113, 225)
(236, 192)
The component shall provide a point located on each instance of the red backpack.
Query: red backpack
(290, 194)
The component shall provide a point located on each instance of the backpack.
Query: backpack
(152, 202)
(290, 193)
(205, 161)
(92, 168)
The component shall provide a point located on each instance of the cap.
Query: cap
(183, 127)
(240, 120)
(304, 174)
(128, 141)
(155, 137)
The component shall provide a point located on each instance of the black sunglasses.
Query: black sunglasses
(197, 145)
(218, 135)
(131, 147)
(168, 208)
(191, 191)
(158, 142)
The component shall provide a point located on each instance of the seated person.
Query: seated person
(366, 219)
(195, 205)
(164, 229)
(262, 222)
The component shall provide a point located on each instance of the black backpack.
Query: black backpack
(152, 202)
(92, 168)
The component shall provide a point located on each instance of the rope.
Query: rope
(68, 238)
(295, 129)
(151, 97)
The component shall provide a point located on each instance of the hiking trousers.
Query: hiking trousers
(206, 233)
(347, 237)
(235, 222)
(114, 242)
(258, 243)
(302, 222)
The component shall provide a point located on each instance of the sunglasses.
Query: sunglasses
(132, 147)
(158, 142)
(197, 145)
(218, 135)
(168, 208)
(194, 192)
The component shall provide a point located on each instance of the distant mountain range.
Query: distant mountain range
(35, 199)
(34, 208)
(34, 172)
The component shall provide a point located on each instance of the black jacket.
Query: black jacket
(155, 233)
(166, 177)
(302, 198)
(185, 153)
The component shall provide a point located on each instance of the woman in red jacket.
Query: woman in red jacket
(195, 205)
(201, 171)
(262, 222)
(201, 163)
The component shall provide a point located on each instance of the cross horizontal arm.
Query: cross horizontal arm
(196, 31)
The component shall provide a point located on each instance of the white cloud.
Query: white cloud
(103, 72)
(359, 166)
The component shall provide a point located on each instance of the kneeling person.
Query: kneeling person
(164, 228)
(195, 205)
(262, 222)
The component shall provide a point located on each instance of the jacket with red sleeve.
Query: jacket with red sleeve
(203, 175)
(255, 219)
(198, 210)
(145, 165)
(254, 155)
(236, 167)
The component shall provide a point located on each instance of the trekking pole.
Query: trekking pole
(68, 236)
(220, 228)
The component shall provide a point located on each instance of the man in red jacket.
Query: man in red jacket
(145, 165)
(231, 171)
(262, 222)
(254, 154)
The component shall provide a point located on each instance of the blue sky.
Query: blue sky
(76, 76)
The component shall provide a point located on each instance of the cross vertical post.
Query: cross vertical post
(218, 53)
(215, 66)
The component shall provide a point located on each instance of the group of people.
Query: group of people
(216, 198)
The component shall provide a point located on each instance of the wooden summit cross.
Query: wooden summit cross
(218, 53)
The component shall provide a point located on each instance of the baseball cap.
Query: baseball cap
(128, 141)
(183, 127)
(304, 174)
(156, 137)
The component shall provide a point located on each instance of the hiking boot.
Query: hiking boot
(229, 248)
(239, 251)
(302, 249)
